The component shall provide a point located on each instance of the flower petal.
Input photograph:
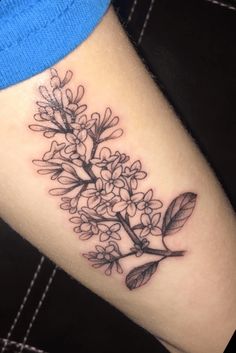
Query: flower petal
(105, 153)
(81, 149)
(94, 201)
(154, 204)
(156, 231)
(82, 119)
(82, 135)
(119, 207)
(70, 148)
(140, 175)
(156, 219)
(115, 227)
(124, 194)
(85, 236)
(90, 123)
(102, 208)
(109, 248)
(106, 174)
(103, 227)
(116, 236)
(145, 219)
(88, 193)
(70, 137)
(148, 195)
(119, 183)
(99, 248)
(99, 184)
(137, 197)
(85, 227)
(145, 231)
(75, 220)
(104, 236)
(108, 196)
(141, 205)
(131, 209)
(117, 172)
(109, 187)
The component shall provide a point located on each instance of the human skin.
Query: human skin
(189, 303)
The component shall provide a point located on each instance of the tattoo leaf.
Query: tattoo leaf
(141, 275)
(178, 213)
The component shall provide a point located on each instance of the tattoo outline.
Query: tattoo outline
(107, 181)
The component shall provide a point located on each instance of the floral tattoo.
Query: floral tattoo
(100, 188)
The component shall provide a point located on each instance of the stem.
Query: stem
(125, 255)
(129, 231)
(166, 253)
(163, 242)
(88, 169)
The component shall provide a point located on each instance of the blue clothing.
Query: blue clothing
(35, 34)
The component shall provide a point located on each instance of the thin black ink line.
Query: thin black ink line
(132, 11)
(38, 308)
(36, 273)
(18, 345)
(222, 4)
(146, 21)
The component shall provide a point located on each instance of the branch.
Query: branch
(129, 231)
(166, 253)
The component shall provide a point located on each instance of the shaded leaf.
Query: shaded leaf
(178, 213)
(141, 275)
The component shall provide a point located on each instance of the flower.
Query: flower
(96, 194)
(105, 157)
(128, 202)
(76, 142)
(105, 256)
(135, 174)
(112, 178)
(150, 225)
(82, 123)
(70, 204)
(55, 148)
(109, 232)
(107, 206)
(85, 226)
(148, 205)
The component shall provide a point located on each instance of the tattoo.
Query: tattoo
(100, 187)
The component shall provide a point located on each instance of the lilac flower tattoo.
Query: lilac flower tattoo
(100, 188)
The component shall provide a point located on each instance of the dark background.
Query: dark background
(189, 46)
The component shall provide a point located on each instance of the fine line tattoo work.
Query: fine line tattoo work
(101, 186)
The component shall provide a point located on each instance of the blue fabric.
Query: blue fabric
(35, 34)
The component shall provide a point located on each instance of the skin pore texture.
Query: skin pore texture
(126, 217)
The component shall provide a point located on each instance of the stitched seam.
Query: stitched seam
(18, 14)
(222, 4)
(148, 15)
(18, 345)
(36, 273)
(132, 11)
(37, 309)
(62, 13)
